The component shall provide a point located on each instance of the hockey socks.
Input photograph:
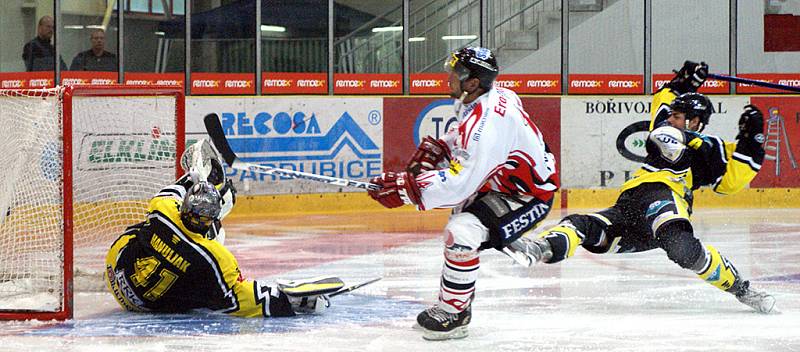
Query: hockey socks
(717, 270)
(458, 279)
(563, 240)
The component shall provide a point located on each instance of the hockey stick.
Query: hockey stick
(214, 129)
(351, 288)
(754, 82)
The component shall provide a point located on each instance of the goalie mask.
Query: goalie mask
(201, 206)
(694, 105)
(473, 62)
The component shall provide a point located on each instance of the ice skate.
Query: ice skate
(437, 324)
(762, 302)
(527, 251)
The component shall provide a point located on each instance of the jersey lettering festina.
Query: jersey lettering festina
(495, 147)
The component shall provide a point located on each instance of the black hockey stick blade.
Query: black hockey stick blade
(214, 129)
(356, 286)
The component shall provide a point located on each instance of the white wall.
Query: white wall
(752, 57)
(610, 41)
(682, 30)
(14, 33)
(691, 30)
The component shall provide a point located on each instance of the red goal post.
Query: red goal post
(81, 163)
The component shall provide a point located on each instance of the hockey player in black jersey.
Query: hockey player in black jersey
(174, 261)
(655, 205)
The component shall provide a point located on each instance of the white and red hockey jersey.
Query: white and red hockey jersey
(496, 147)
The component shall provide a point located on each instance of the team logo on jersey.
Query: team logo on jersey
(655, 207)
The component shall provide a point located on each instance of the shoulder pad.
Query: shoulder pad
(669, 141)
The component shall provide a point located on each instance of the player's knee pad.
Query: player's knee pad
(563, 240)
(681, 246)
(717, 270)
(465, 231)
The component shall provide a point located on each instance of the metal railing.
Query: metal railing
(364, 51)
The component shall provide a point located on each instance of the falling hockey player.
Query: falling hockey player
(654, 207)
(494, 170)
(175, 260)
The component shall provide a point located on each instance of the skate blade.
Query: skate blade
(457, 333)
(769, 307)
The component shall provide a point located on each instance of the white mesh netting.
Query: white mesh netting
(123, 152)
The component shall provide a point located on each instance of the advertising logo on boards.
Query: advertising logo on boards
(631, 141)
(295, 140)
(147, 150)
(435, 120)
(14, 83)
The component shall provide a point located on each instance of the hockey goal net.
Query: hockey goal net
(79, 165)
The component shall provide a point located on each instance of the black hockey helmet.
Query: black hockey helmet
(473, 62)
(201, 206)
(694, 105)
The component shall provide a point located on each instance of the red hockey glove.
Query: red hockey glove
(428, 155)
(396, 189)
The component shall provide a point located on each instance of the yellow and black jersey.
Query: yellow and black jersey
(159, 265)
(709, 161)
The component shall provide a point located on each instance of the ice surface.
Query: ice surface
(631, 302)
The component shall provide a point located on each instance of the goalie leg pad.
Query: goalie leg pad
(315, 286)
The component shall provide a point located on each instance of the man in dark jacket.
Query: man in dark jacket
(96, 58)
(39, 53)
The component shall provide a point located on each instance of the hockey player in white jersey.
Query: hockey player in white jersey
(494, 170)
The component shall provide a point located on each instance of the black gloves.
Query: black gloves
(690, 77)
(751, 125)
(217, 175)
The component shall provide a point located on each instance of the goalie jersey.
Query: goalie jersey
(709, 161)
(159, 265)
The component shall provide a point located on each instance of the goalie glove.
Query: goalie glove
(430, 155)
(202, 162)
(396, 189)
(690, 77)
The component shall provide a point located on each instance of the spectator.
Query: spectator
(96, 58)
(39, 54)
